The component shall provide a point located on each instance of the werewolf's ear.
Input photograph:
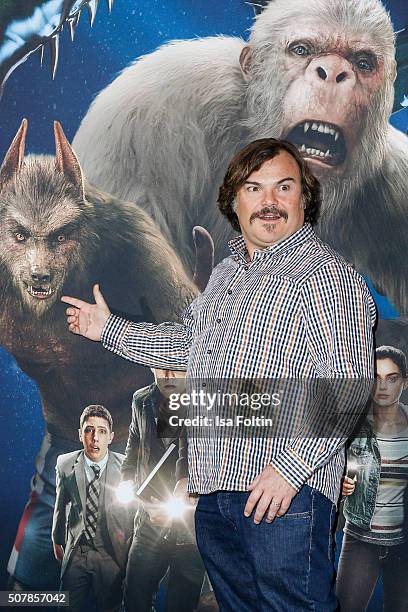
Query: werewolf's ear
(14, 158)
(66, 161)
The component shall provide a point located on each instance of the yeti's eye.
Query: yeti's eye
(365, 64)
(60, 238)
(301, 50)
(19, 237)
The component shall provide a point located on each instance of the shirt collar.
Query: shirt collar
(238, 247)
(102, 463)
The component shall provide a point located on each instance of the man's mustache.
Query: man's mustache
(269, 210)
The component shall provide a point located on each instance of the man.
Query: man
(91, 530)
(283, 305)
(158, 542)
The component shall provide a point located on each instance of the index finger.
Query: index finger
(73, 301)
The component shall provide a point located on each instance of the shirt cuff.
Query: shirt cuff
(113, 333)
(292, 468)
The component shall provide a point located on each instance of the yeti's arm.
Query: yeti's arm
(165, 346)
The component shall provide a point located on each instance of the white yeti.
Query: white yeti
(319, 72)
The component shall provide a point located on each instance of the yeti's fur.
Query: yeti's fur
(163, 132)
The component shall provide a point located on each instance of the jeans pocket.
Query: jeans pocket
(294, 515)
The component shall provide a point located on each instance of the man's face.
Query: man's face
(95, 436)
(269, 204)
(170, 381)
(389, 383)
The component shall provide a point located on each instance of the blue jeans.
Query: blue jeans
(283, 566)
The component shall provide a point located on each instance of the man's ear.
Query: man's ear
(80, 435)
(112, 435)
(245, 60)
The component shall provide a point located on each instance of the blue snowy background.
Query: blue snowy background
(86, 66)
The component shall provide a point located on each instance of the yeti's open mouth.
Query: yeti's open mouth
(323, 142)
(40, 292)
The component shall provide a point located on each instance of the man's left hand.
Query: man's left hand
(271, 494)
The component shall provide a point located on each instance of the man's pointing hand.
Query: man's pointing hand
(85, 319)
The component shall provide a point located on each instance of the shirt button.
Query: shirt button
(218, 320)
(204, 384)
(245, 267)
(229, 291)
(209, 351)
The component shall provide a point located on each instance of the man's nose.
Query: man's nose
(268, 197)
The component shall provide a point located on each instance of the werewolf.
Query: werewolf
(60, 236)
(56, 237)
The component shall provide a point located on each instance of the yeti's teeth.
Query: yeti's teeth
(303, 148)
(314, 126)
(336, 136)
(41, 55)
(332, 132)
(309, 151)
(306, 126)
(327, 154)
(54, 50)
(326, 129)
(321, 128)
(92, 8)
(110, 5)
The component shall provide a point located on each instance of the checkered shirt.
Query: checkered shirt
(297, 310)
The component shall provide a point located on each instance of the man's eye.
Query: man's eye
(300, 50)
(19, 237)
(252, 188)
(285, 187)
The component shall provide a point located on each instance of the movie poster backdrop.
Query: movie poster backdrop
(148, 141)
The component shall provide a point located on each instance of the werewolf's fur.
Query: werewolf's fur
(105, 240)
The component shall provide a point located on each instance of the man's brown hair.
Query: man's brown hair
(96, 410)
(249, 160)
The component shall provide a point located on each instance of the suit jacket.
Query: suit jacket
(70, 504)
(144, 448)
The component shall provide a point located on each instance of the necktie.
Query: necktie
(92, 497)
